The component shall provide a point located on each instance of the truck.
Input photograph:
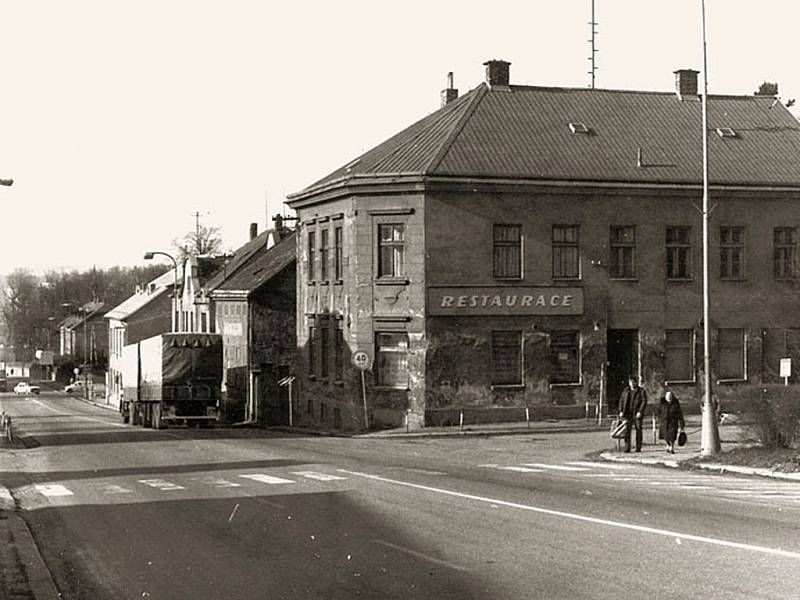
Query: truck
(172, 379)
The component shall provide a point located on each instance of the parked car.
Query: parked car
(23, 388)
(76, 386)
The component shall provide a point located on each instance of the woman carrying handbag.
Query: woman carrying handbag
(671, 421)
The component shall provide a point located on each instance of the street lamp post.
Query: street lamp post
(176, 307)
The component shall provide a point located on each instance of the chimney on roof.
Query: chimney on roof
(686, 82)
(449, 93)
(497, 73)
(253, 230)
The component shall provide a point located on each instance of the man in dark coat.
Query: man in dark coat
(632, 404)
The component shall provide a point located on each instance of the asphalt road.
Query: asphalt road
(124, 512)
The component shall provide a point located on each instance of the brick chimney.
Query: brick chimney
(449, 93)
(497, 73)
(686, 82)
(253, 230)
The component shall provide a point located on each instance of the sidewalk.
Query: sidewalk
(484, 429)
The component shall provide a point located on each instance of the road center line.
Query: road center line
(420, 555)
(584, 518)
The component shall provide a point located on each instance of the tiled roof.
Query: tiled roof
(261, 267)
(239, 257)
(140, 299)
(87, 311)
(523, 132)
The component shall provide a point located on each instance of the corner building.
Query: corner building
(530, 247)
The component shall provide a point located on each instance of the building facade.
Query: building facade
(529, 248)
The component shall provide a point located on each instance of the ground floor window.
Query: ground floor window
(679, 355)
(778, 344)
(391, 357)
(506, 358)
(565, 357)
(312, 342)
(338, 356)
(731, 354)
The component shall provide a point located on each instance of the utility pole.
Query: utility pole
(709, 437)
(592, 25)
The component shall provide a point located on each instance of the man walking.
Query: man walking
(632, 404)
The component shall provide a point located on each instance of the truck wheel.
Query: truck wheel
(157, 416)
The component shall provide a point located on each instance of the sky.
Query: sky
(119, 121)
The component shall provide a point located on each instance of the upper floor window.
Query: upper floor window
(566, 255)
(508, 251)
(784, 261)
(337, 253)
(391, 250)
(622, 245)
(323, 255)
(731, 252)
(679, 252)
(312, 249)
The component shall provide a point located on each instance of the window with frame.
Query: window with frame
(391, 250)
(731, 354)
(622, 246)
(508, 251)
(679, 355)
(312, 250)
(679, 252)
(312, 351)
(324, 340)
(323, 254)
(338, 356)
(506, 358)
(391, 357)
(565, 357)
(338, 238)
(566, 252)
(731, 252)
(784, 263)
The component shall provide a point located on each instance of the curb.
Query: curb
(478, 432)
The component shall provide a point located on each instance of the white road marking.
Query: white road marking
(584, 518)
(223, 483)
(266, 478)
(80, 417)
(554, 467)
(162, 484)
(521, 469)
(53, 489)
(115, 489)
(694, 486)
(318, 476)
(416, 554)
(594, 465)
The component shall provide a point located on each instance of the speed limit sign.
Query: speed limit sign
(362, 360)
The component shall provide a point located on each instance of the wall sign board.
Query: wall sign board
(479, 301)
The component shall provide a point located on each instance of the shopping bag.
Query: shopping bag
(682, 438)
(618, 429)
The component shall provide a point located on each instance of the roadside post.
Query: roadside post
(363, 361)
(287, 382)
(786, 370)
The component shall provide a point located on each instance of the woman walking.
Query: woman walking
(670, 420)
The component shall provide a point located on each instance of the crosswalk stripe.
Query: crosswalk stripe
(266, 478)
(318, 476)
(521, 469)
(161, 484)
(52, 490)
(115, 489)
(554, 467)
(223, 483)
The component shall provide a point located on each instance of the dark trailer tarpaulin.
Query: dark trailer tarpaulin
(191, 359)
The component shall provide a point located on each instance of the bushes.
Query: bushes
(772, 414)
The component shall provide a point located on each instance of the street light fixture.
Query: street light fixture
(6, 182)
(150, 256)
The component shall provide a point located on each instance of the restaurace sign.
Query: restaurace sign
(505, 301)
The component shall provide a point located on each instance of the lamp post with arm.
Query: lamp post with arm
(177, 307)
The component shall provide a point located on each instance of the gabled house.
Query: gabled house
(146, 313)
(194, 310)
(83, 335)
(254, 306)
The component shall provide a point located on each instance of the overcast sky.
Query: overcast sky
(122, 119)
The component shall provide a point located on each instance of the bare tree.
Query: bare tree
(202, 240)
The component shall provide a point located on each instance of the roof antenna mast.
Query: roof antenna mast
(592, 25)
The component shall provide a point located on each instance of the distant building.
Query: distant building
(529, 246)
(146, 313)
(83, 335)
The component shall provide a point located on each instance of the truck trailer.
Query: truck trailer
(172, 379)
